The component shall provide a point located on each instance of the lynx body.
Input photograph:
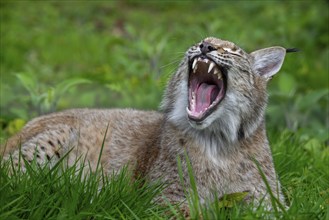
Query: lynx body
(212, 111)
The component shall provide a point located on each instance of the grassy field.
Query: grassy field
(60, 55)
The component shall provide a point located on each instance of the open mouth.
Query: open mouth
(206, 88)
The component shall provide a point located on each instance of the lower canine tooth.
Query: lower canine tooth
(216, 71)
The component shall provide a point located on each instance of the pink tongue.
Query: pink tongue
(205, 95)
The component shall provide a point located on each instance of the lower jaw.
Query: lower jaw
(207, 113)
(199, 125)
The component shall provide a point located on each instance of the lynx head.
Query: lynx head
(220, 90)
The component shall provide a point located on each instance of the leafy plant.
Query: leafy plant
(44, 100)
(299, 111)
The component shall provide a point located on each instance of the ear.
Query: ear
(267, 62)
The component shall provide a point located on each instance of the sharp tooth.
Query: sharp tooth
(211, 66)
(188, 111)
(194, 63)
(206, 60)
(216, 71)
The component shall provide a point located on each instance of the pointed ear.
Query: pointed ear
(267, 62)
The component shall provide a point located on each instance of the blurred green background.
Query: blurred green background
(104, 54)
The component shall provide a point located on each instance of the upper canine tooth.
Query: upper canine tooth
(194, 63)
(211, 66)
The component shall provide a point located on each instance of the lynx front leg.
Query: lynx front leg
(46, 147)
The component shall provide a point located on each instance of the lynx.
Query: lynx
(211, 115)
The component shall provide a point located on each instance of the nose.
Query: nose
(206, 47)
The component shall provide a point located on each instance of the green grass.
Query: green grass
(59, 55)
(55, 194)
(303, 170)
(44, 193)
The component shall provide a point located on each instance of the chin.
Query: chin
(201, 125)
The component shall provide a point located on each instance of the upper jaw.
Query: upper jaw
(206, 88)
(210, 65)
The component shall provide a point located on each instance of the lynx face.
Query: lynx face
(211, 65)
(219, 90)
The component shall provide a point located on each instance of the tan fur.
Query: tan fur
(221, 148)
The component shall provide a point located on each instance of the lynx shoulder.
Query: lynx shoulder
(212, 113)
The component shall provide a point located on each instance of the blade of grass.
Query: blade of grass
(131, 212)
(101, 151)
(275, 202)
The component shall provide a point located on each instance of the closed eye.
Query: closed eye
(234, 54)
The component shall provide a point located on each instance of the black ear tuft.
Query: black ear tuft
(292, 50)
